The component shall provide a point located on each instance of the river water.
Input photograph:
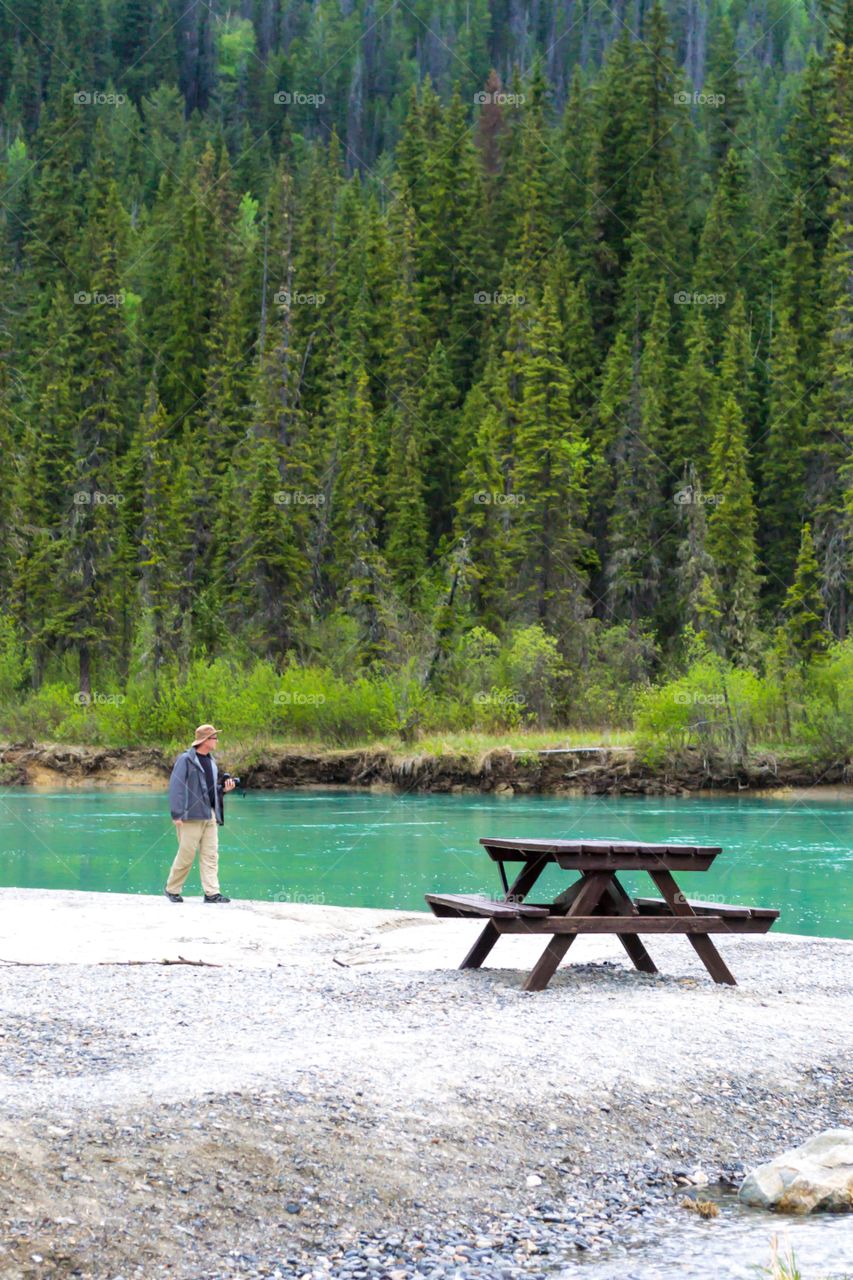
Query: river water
(734, 1246)
(355, 848)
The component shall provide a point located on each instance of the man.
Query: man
(195, 800)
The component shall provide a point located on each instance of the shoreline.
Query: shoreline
(92, 927)
(581, 770)
(327, 1102)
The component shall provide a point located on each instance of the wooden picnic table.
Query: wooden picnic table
(598, 903)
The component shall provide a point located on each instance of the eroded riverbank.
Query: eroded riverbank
(582, 770)
(338, 1099)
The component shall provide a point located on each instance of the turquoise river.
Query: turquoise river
(356, 848)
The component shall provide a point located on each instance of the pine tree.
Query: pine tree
(277, 482)
(549, 480)
(450, 262)
(575, 149)
(807, 149)
(438, 413)
(653, 258)
(638, 528)
(233, 348)
(799, 291)
(724, 79)
(407, 525)
(88, 601)
(189, 289)
(406, 517)
(580, 353)
(658, 120)
(162, 537)
(359, 574)
(612, 188)
(804, 608)
(611, 413)
(50, 246)
(699, 591)
(737, 365)
(783, 461)
(482, 520)
(528, 193)
(317, 314)
(722, 259)
(695, 399)
(731, 534)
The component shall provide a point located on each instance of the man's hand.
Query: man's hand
(229, 785)
(178, 823)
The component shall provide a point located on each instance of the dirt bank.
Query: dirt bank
(578, 770)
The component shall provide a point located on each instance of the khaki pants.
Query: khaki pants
(197, 834)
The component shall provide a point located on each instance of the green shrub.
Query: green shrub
(827, 713)
(714, 706)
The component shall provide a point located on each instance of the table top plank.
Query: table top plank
(538, 846)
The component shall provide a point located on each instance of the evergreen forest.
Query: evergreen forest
(392, 369)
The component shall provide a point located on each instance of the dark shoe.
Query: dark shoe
(173, 897)
(215, 897)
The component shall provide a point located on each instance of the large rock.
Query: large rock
(817, 1175)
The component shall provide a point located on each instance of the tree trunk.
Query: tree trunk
(85, 669)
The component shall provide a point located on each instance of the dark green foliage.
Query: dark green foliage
(330, 330)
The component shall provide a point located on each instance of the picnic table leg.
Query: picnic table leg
(623, 906)
(700, 942)
(593, 885)
(520, 887)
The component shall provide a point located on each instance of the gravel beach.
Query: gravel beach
(336, 1098)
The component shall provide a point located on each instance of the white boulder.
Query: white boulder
(816, 1176)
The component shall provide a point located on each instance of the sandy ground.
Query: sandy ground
(338, 1098)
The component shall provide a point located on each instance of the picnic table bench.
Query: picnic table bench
(598, 903)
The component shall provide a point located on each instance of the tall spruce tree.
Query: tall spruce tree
(549, 480)
(731, 540)
(804, 609)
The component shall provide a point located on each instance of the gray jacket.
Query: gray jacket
(188, 795)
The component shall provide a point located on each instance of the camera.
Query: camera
(225, 777)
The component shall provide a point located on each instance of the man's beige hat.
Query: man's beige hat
(203, 732)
